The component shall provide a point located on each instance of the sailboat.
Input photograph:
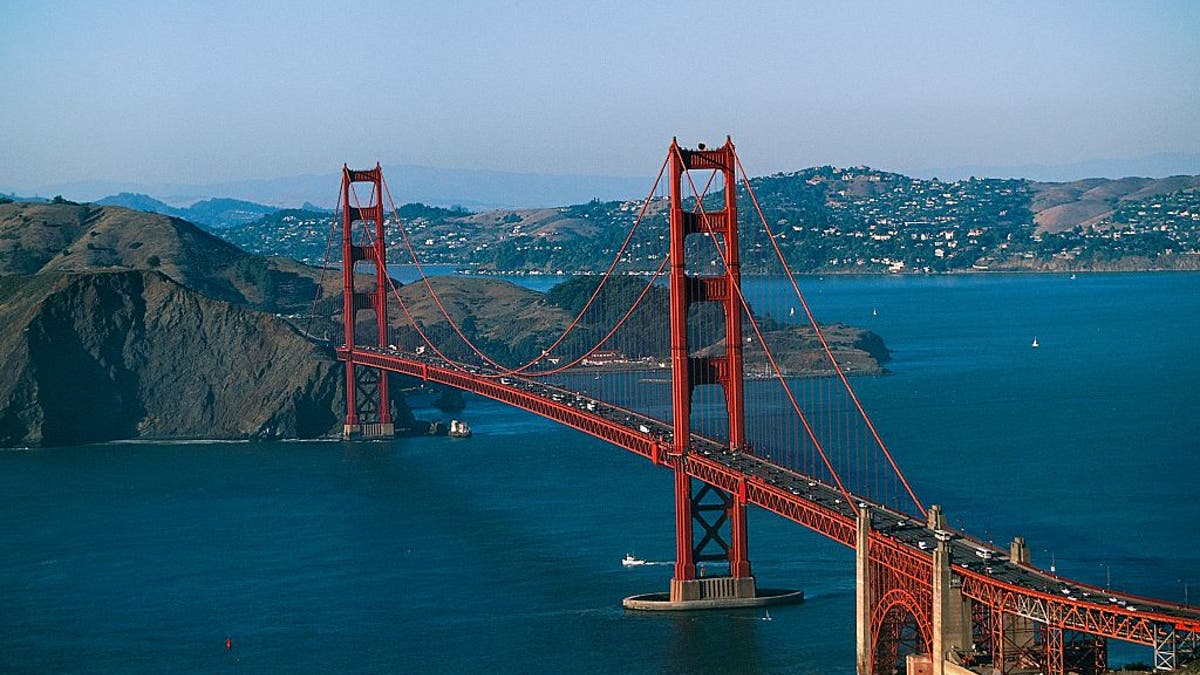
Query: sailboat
(874, 312)
(767, 615)
(1035, 343)
(793, 312)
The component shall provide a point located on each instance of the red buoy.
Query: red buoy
(228, 644)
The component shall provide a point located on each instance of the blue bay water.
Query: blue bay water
(501, 553)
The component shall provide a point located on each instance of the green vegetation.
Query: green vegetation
(297, 233)
(253, 272)
(642, 334)
(305, 234)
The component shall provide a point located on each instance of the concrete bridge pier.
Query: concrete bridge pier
(951, 612)
(1018, 551)
(722, 517)
(368, 432)
(862, 593)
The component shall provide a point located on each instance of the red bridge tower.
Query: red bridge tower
(368, 407)
(703, 504)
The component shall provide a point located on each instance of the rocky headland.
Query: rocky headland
(117, 324)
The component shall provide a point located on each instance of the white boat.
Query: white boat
(459, 429)
(767, 615)
(874, 311)
(630, 561)
(1035, 343)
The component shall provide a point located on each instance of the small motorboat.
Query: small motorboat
(631, 561)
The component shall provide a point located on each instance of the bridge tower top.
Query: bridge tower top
(725, 370)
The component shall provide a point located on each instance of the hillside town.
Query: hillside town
(825, 220)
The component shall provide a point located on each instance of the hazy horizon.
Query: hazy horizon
(136, 92)
(488, 189)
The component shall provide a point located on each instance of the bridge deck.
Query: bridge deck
(997, 581)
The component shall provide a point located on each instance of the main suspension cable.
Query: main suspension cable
(396, 293)
(312, 312)
(501, 369)
(767, 350)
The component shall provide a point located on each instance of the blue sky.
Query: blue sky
(215, 91)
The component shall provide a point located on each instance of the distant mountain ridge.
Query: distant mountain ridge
(213, 213)
(481, 189)
(1160, 165)
(875, 207)
(475, 189)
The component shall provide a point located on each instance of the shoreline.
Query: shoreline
(466, 271)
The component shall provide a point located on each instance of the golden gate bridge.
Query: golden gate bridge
(786, 433)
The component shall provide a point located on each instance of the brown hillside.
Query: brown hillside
(121, 324)
(82, 238)
(498, 316)
(1061, 206)
(551, 224)
(1066, 216)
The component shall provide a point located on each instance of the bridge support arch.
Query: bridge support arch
(899, 626)
(892, 602)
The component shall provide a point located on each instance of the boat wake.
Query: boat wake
(631, 560)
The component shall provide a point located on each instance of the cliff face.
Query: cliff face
(132, 354)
